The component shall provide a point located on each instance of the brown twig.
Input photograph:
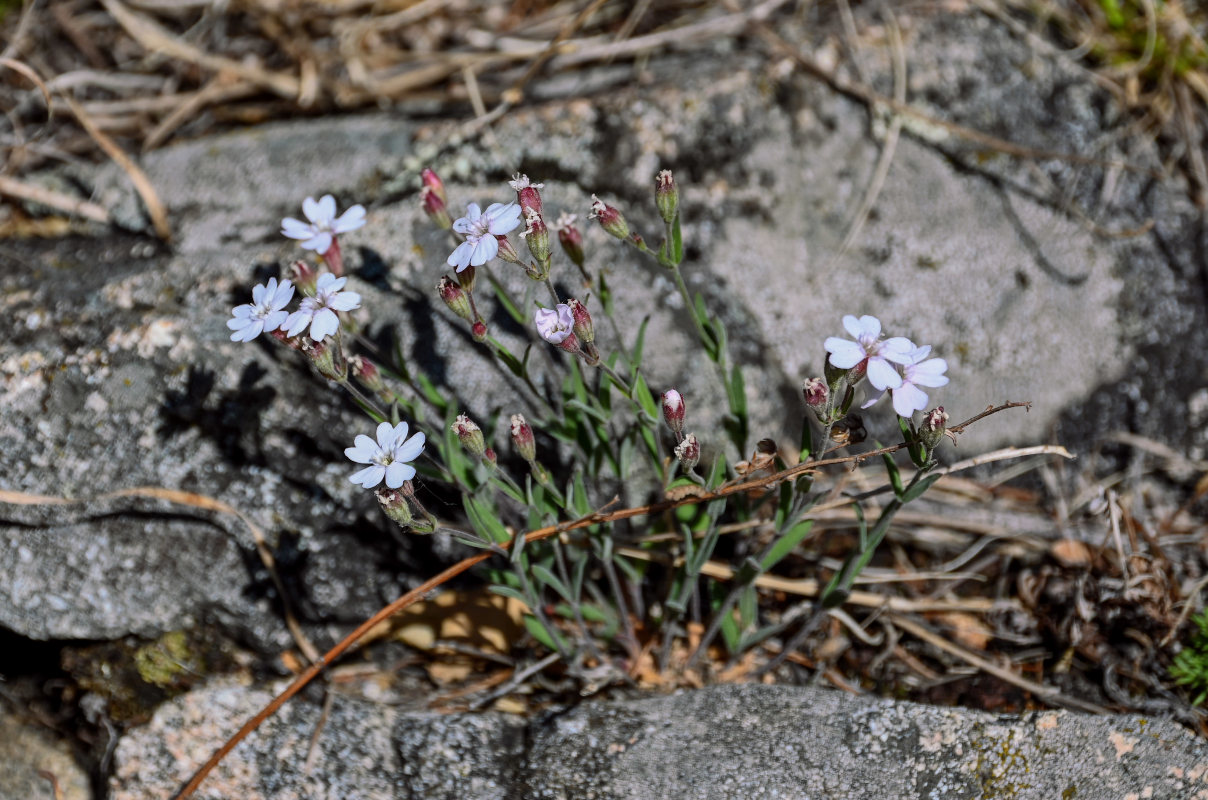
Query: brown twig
(537, 535)
(142, 184)
(73, 206)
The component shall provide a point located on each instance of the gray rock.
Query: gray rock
(722, 742)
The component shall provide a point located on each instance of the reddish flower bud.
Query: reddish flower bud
(673, 411)
(432, 182)
(583, 327)
(489, 458)
(570, 238)
(507, 252)
(479, 331)
(666, 196)
(435, 208)
(470, 436)
(304, 277)
(688, 451)
(816, 393)
(522, 438)
(609, 218)
(934, 428)
(451, 292)
(367, 373)
(527, 194)
(395, 505)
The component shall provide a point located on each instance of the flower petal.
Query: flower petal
(363, 451)
(326, 323)
(320, 243)
(296, 228)
(864, 327)
(484, 251)
(296, 322)
(396, 434)
(412, 448)
(908, 399)
(350, 220)
(310, 207)
(345, 301)
(369, 477)
(845, 354)
(327, 210)
(460, 257)
(881, 375)
(399, 473)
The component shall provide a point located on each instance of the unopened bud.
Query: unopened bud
(673, 411)
(666, 196)
(527, 194)
(570, 238)
(304, 277)
(933, 428)
(489, 458)
(479, 331)
(470, 435)
(434, 206)
(395, 505)
(451, 292)
(432, 182)
(467, 277)
(506, 251)
(816, 393)
(425, 523)
(325, 360)
(583, 327)
(367, 373)
(609, 218)
(536, 235)
(522, 438)
(688, 451)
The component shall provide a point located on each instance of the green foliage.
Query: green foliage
(1190, 667)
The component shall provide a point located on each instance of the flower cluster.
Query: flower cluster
(896, 365)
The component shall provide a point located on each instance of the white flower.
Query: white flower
(555, 325)
(846, 354)
(319, 233)
(319, 312)
(264, 313)
(908, 398)
(480, 229)
(387, 457)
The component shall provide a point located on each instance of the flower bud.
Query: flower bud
(304, 277)
(673, 411)
(536, 235)
(426, 523)
(479, 331)
(582, 327)
(434, 207)
(367, 373)
(933, 428)
(610, 219)
(570, 238)
(688, 451)
(324, 359)
(666, 196)
(489, 458)
(395, 505)
(455, 298)
(816, 394)
(527, 194)
(522, 438)
(468, 278)
(506, 251)
(432, 182)
(470, 436)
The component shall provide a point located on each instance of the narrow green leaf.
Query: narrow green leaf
(508, 591)
(540, 632)
(639, 345)
(547, 577)
(785, 544)
(677, 242)
(748, 608)
(507, 302)
(919, 488)
(641, 393)
(895, 476)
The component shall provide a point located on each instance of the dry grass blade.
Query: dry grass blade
(218, 91)
(29, 72)
(154, 38)
(11, 187)
(1049, 694)
(142, 184)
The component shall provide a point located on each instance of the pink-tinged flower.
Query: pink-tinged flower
(264, 313)
(522, 438)
(527, 193)
(324, 226)
(570, 238)
(846, 354)
(555, 324)
(319, 312)
(387, 458)
(909, 398)
(480, 229)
